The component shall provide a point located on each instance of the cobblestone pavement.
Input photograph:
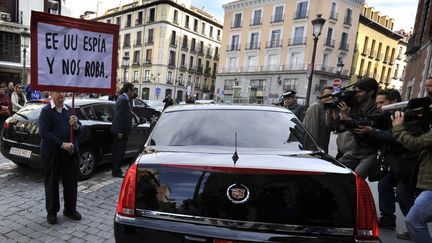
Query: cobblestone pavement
(23, 215)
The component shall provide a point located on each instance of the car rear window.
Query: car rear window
(254, 128)
(32, 110)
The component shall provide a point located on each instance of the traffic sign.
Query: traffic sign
(336, 90)
(336, 83)
(158, 91)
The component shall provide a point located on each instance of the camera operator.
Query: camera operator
(421, 212)
(290, 103)
(360, 156)
(400, 160)
(428, 86)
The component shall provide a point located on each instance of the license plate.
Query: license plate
(224, 241)
(20, 152)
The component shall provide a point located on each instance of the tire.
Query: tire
(19, 163)
(87, 163)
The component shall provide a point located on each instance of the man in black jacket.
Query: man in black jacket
(121, 127)
(59, 156)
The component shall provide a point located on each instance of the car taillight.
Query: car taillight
(367, 223)
(6, 125)
(126, 203)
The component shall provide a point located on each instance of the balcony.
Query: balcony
(216, 57)
(233, 47)
(138, 22)
(330, 43)
(236, 25)
(150, 20)
(297, 41)
(379, 56)
(193, 49)
(274, 44)
(209, 55)
(173, 44)
(200, 69)
(277, 19)
(147, 62)
(192, 68)
(256, 22)
(387, 59)
(344, 46)
(372, 54)
(259, 86)
(252, 46)
(128, 24)
(183, 67)
(137, 43)
(149, 41)
(347, 21)
(365, 52)
(201, 51)
(301, 14)
(207, 71)
(169, 81)
(135, 63)
(126, 44)
(333, 16)
(184, 47)
(171, 64)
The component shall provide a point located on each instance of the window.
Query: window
(254, 41)
(128, 20)
(136, 57)
(257, 17)
(180, 79)
(278, 15)
(348, 17)
(185, 42)
(136, 76)
(149, 55)
(187, 22)
(201, 47)
(138, 38)
(183, 60)
(329, 37)
(173, 38)
(169, 77)
(108, 21)
(237, 20)
(126, 42)
(333, 13)
(211, 32)
(275, 38)
(365, 45)
(361, 72)
(150, 36)
(145, 95)
(172, 58)
(235, 42)
(344, 41)
(146, 75)
(152, 13)
(175, 17)
(193, 44)
(118, 20)
(10, 44)
(203, 28)
(102, 113)
(140, 18)
(301, 10)
(191, 63)
(298, 35)
(290, 83)
(195, 25)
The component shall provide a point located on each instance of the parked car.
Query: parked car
(20, 139)
(142, 109)
(155, 104)
(237, 173)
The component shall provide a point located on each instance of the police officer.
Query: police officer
(290, 103)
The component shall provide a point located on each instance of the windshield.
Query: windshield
(31, 110)
(254, 128)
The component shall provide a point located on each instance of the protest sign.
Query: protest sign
(74, 55)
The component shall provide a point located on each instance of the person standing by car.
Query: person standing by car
(18, 98)
(290, 103)
(315, 121)
(168, 101)
(59, 156)
(5, 107)
(121, 127)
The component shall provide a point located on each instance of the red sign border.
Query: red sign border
(87, 25)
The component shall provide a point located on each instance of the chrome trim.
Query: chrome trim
(15, 142)
(301, 229)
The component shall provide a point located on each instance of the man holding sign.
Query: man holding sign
(67, 55)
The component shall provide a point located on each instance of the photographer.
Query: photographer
(361, 153)
(421, 212)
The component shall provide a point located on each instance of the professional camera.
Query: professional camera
(381, 121)
(346, 95)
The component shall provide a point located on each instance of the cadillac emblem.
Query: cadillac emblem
(238, 193)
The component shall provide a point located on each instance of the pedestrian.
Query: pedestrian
(18, 98)
(10, 89)
(121, 127)
(315, 120)
(290, 103)
(168, 101)
(59, 156)
(420, 213)
(5, 107)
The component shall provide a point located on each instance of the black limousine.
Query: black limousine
(20, 139)
(234, 173)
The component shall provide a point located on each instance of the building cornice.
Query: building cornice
(356, 3)
(158, 2)
(242, 4)
(378, 27)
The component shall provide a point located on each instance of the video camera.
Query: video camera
(414, 109)
(346, 95)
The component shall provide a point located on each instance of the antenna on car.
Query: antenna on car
(235, 156)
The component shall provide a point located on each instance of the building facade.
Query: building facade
(400, 64)
(15, 36)
(419, 52)
(167, 48)
(267, 47)
(377, 48)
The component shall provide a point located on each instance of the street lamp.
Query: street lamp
(125, 64)
(25, 34)
(317, 27)
(339, 67)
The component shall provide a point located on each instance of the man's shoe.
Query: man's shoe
(72, 215)
(52, 218)
(387, 223)
(404, 235)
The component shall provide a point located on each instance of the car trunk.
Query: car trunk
(22, 130)
(246, 197)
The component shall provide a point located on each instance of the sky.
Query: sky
(403, 11)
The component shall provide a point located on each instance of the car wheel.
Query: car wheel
(87, 163)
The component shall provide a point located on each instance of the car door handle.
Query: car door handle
(196, 239)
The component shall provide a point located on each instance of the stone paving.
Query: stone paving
(23, 215)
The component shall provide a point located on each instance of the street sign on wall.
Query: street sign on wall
(336, 83)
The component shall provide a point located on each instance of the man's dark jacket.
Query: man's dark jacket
(122, 121)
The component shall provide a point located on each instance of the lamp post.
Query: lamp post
(25, 34)
(339, 67)
(125, 64)
(317, 27)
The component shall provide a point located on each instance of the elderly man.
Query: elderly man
(290, 103)
(59, 156)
